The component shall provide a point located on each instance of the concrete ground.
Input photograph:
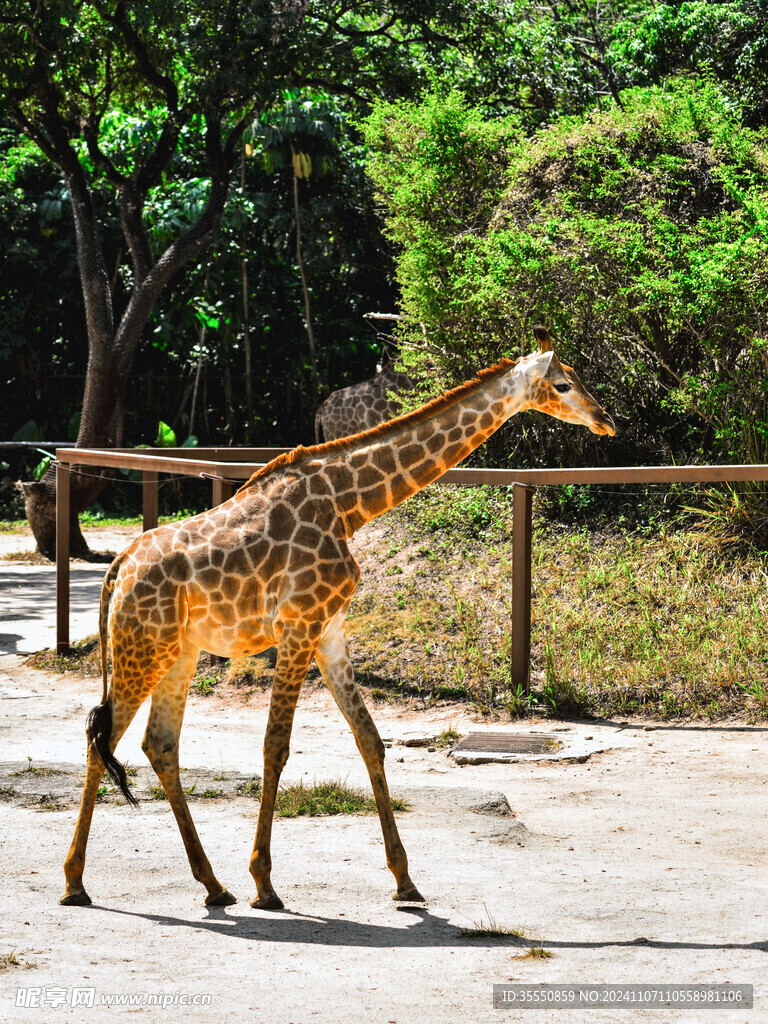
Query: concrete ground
(642, 862)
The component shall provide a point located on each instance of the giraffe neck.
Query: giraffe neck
(383, 469)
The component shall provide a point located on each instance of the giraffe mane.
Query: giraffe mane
(383, 431)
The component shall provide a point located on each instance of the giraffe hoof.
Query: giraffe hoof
(76, 899)
(272, 902)
(411, 895)
(221, 899)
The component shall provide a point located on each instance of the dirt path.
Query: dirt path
(645, 863)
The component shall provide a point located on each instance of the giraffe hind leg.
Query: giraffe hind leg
(75, 894)
(138, 665)
(161, 745)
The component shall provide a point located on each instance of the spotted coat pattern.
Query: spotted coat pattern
(361, 406)
(271, 566)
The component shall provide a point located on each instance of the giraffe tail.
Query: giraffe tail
(99, 726)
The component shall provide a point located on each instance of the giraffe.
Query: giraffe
(360, 406)
(271, 566)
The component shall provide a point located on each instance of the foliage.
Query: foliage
(638, 235)
(439, 166)
(467, 511)
(203, 323)
(632, 221)
(145, 107)
(727, 41)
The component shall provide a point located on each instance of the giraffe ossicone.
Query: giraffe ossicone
(271, 566)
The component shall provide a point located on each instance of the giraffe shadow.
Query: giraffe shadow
(427, 930)
(291, 927)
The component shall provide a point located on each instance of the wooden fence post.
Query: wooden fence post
(149, 499)
(222, 491)
(62, 558)
(521, 587)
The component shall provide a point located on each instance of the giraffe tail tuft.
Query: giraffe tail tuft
(99, 733)
(99, 726)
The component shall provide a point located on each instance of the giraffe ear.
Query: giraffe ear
(541, 334)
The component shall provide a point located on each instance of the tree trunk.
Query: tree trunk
(40, 507)
(111, 347)
(102, 400)
(59, 116)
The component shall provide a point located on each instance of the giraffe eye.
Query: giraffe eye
(562, 388)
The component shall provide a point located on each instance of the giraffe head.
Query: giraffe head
(555, 389)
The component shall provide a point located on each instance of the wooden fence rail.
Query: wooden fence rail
(226, 467)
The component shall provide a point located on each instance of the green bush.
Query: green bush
(639, 236)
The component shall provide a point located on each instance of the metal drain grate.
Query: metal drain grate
(506, 743)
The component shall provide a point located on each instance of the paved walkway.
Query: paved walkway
(28, 591)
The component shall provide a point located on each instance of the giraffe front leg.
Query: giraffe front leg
(161, 745)
(294, 654)
(336, 667)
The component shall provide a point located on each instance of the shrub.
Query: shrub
(639, 236)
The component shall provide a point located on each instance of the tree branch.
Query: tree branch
(152, 170)
(161, 82)
(101, 160)
(146, 292)
(134, 231)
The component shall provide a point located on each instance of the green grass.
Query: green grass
(448, 737)
(158, 793)
(13, 525)
(252, 789)
(667, 626)
(33, 769)
(205, 684)
(326, 798)
(93, 520)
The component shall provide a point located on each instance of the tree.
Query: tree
(557, 58)
(725, 41)
(107, 88)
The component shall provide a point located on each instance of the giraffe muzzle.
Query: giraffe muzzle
(603, 425)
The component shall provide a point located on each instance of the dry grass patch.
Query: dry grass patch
(83, 657)
(9, 960)
(535, 953)
(668, 626)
